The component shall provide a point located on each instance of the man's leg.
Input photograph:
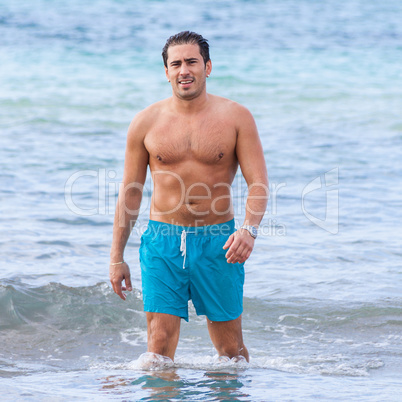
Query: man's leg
(163, 333)
(227, 338)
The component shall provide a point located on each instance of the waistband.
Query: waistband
(168, 229)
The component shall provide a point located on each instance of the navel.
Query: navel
(159, 157)
(220, 155)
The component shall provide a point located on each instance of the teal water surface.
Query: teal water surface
(322, 309)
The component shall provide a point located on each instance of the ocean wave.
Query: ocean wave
(81, 308)
(96, 307)
(91, 326)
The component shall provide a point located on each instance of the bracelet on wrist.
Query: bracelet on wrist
(117, 263)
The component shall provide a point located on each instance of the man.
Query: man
(193, 143)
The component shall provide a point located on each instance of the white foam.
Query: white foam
(212, 362)
(333, 365)
(152, 361)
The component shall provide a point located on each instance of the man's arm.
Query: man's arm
(128, 203)
(252, 163)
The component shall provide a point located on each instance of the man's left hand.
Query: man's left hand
(240, 245)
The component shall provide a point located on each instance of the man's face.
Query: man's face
(186, 71)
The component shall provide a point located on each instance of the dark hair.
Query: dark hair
(184, 38)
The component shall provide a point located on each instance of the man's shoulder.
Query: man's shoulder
(153, 110)
(144, 119)
(231, 105)
(230, 108)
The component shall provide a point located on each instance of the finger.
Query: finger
(244, 257)
(234, 249)
(241, 254)
(229, 242)
(241, 251)
(113, 286)
(129, 286)
(118, 290)
(233, 258)
(245, 253)
(230, 254)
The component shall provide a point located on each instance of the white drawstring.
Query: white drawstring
(183, 247)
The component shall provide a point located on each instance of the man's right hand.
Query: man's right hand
(117, 274)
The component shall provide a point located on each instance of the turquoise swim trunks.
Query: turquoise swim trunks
(181, 263)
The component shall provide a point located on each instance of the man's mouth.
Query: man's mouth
(185, 82)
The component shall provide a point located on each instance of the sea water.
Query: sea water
(322, 309)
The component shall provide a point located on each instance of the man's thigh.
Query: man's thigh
(216, 285)
(165, 284)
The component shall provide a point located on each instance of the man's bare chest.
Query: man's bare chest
(205, 142)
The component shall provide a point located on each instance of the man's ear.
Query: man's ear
(167, 74)
(208, 68)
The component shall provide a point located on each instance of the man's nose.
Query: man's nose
(184, 69)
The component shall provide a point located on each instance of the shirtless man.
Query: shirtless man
(193, 143)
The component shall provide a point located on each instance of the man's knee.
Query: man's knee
(159, 336)
(231, 349)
